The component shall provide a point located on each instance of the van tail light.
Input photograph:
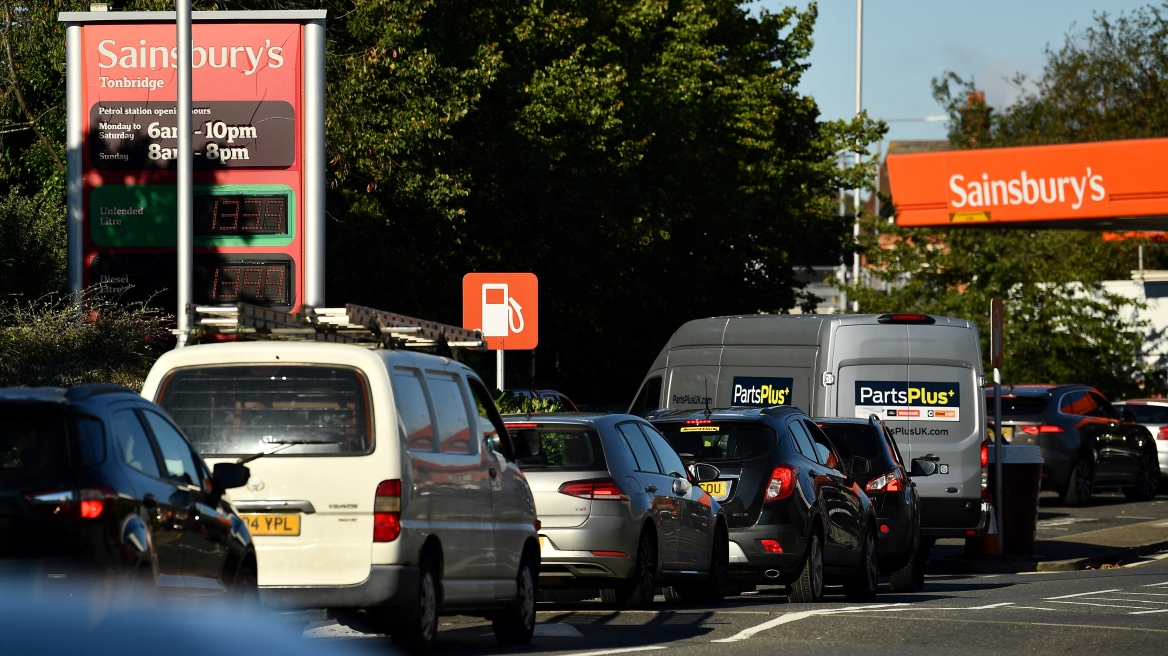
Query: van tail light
(84, 503)
(782, 482)
(600, 489)
(1044, 428)
(387, 511)
(890, 482)
(985, 453)
(1163, 434)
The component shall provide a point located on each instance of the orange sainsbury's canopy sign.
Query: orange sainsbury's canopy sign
(1109, 184)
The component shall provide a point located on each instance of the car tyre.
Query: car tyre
(637, 593)
(517, 624)
(246, 587)
(807, 588)
(1147, 478)
(712, 591)
(862, 587)
(1079, 487)
(420, 635)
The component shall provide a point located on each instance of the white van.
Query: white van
(384, 484)
(921, 374)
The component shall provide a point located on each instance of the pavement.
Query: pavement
(1111, 532)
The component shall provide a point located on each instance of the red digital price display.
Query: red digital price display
(240, 215)
(258, 281)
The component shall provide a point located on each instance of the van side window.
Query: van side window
(641, 451)
(415, 422)
(494, 431)
(450, 409)
(648, 399)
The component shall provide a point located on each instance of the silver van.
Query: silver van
(384, 485)
(921, 374)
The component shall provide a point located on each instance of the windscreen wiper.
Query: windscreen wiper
(280, 446)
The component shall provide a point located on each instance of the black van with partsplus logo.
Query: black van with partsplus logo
(921, 374)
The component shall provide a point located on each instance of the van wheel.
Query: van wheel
(1078, 492)
(637, 594)
(420, 635)
(863, 586)
(1147, 478)
(712, 591)
(807, 587)
(517, 624)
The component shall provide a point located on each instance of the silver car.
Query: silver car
(1153, 414)
(619, 512)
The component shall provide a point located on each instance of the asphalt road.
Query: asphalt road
(1111, 610)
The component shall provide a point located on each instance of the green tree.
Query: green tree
(1102, 84)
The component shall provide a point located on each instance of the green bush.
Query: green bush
(32, 244)
(51, 341)
(515, 403)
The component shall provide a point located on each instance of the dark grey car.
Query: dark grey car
(619, 512)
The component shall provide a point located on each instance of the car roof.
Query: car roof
(774, 411)
(63, 395)
(583, 418)
(1039, 390)
(1143, 402)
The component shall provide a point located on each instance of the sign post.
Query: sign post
(505, 307)
(250, 148)
(997, 323)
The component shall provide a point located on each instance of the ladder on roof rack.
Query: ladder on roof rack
(352, 324)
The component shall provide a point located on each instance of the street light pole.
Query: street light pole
(859, 108)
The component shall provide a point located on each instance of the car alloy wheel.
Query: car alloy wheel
(638, 592)
(1079, 488)
(863, 586)
(808, 586)
(1147, 478)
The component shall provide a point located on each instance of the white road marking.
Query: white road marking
(557, 630)
(987, 606)
(769, 624)
(1082, 594)
(1084, 603)
(1148, 612)
(1150, 594)
(624, 650)
(1036, 608)
(1156, 585)
(869, 608)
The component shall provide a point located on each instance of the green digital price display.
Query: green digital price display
(144, 216)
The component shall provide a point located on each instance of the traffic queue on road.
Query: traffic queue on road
(383, 484)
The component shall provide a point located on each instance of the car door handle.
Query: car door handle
(494, 474)
(650, 488)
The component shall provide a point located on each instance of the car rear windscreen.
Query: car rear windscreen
(562, 448)
(1148, 414)
(718, 440)
(1018, 406)
(34, 443)
(288, 410)
(857, 440)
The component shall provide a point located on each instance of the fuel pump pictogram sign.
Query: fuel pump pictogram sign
(504, 306)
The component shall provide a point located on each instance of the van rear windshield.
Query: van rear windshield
(718, 440)
(563, 448)
(241, 410)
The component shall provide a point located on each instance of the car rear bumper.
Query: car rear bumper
(568, 556)
(387, 585)
(750, 561)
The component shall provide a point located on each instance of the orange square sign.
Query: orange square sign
(504, 306)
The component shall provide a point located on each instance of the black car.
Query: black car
(796, 516)
(96, 482)
(887, 482)
(1086, 443)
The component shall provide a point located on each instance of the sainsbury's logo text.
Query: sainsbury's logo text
(1025, 190)
(245, 59)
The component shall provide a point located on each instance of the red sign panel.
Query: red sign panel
(1076, 182)
(246, 149)
(504, 306)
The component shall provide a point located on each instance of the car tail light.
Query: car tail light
(1163, 434)
(889, 482)
(522, 425)
(782, 482)
(599, 489)
(387, 511)
(610, 554)
(1044, 428)
(83, 503)
(698, 422)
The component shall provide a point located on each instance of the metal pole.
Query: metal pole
(314, 163)
(859, 108)
(186, 162)
(75, 111)
(499, 369)
(998, 505)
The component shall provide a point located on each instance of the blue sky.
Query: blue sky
(907, 43)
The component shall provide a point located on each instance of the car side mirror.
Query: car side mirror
(703, 472)
(922, 467)
(527, 444)
(1128, 415)
(859, 465)
(227, 475)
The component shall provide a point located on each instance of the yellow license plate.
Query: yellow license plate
(716, 489)
(271, 524)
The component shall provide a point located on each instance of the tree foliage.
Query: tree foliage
(1062, 327)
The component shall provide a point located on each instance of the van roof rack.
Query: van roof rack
(352, 324)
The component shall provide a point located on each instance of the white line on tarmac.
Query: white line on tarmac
(1148, 612)
(770, 624)
(624, 650)
(1082, 594)
(1004, 603)
(1035, 608)
(1156, 585)
(1150, 594)
(1083, 603)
